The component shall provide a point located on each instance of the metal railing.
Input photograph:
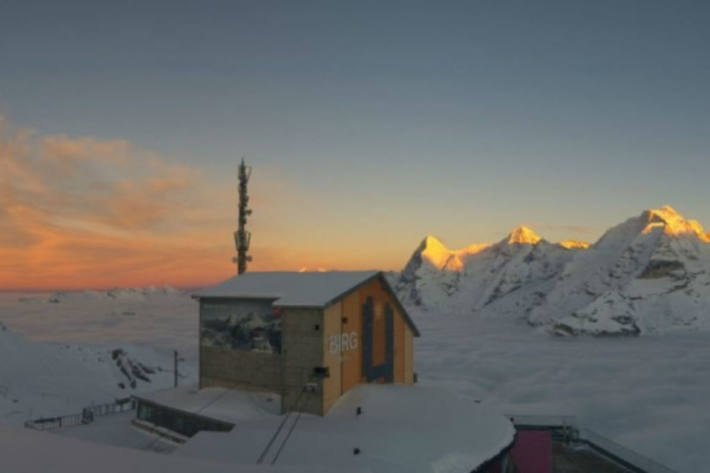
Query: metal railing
(567, 428)
(86, 416)
(628, 458)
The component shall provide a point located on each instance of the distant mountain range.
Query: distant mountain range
(650, 273)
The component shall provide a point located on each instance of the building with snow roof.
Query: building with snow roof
(308, 337)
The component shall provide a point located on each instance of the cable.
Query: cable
(278, 430)
(288, 435)
(294, 406)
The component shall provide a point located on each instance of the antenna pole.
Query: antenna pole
(176, 374)
(242, 237)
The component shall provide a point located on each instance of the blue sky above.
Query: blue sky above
(372, 124)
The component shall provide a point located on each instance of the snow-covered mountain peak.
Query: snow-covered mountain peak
(652, 228)
(672, 223)
(648, 273)
(523, 235)
(487, 272)
(434, 251)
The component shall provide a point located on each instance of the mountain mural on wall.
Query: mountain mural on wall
(648, 274)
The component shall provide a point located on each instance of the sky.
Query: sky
(368, 125)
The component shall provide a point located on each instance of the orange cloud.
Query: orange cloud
(64, 149)
(90, 213)
(84, 212)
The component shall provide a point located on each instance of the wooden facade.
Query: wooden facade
(343, 320)
(358, 336)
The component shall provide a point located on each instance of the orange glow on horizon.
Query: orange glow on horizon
(80, 213)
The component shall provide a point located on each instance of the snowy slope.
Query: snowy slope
(650, 273)
(50, 379)
(41, 379)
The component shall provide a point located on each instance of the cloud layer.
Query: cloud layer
(84, 212)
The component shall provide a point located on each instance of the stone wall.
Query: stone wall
(302, 351)
(228, 368)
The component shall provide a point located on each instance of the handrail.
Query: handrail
(622, 454)
(85, 417)
(570, 430)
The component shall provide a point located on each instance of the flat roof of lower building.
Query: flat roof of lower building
(226, 405)
(400, 429)
(27, 450)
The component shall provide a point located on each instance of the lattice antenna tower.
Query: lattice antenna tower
(242, 237)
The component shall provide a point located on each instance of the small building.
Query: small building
(307, 336)
(178, 414)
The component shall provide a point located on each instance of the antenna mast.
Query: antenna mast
(242, 237)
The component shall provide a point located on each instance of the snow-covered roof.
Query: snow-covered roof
(401, 429)
(227, 405)
(298, 289)
(29, 451)
(290, 289)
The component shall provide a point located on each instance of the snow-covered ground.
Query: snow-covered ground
(401, 429)
(29, 451)
(63, 352)
(649, 393)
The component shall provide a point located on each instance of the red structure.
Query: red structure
(531, 453)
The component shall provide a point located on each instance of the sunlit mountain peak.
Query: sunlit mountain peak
(523, 235)
(434, 251)
(574, 244)
(672, 223)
